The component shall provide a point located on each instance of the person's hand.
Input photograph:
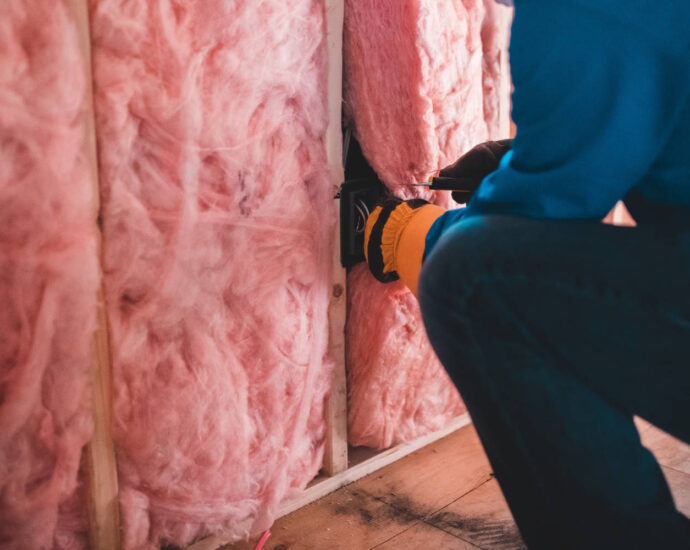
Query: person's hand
(381, 233)
(477, 163)
(395, 238)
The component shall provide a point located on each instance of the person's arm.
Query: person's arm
(594, 103)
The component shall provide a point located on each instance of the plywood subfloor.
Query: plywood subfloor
(441, 496)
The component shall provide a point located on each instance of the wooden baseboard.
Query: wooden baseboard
(364, 461)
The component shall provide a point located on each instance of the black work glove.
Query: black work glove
(476, 164)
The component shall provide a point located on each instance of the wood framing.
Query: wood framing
(335, 452)
(103, 506)
(104, 510)
(340, 466)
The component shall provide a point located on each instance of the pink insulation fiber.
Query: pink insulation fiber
(398, 389)
(217, 214)
(48, 275)
(422, 86)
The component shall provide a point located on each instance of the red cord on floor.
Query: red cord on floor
(263, 539)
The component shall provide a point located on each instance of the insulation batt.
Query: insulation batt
(404, 390)
(217, 214)
(48, 275)
(421, 88)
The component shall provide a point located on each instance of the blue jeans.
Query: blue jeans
(556, 333)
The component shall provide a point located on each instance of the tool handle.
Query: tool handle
(447, 183)
(462, 188)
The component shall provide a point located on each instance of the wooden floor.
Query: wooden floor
(426, 500)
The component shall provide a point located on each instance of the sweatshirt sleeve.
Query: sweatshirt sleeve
(595, 100)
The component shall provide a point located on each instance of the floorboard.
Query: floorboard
(679, 483)
(441, 496)
(481, 517)
(347, 518)
(668, 450)
(422, 536)
(433, 476)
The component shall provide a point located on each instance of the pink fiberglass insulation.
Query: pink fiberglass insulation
(48, 275)
(398, 389)
(422, 81)
(217, 215)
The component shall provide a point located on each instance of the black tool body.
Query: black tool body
(462, 188)
(362, 190)
(358, 198)
(359, 194)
